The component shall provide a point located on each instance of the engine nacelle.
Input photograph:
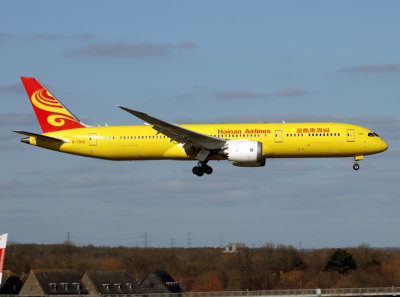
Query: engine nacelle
(250, 164)
(244, 153)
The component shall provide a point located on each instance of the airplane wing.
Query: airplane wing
(192, 141)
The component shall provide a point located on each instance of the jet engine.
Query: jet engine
(244, 153)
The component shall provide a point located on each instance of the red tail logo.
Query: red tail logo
(51, 114)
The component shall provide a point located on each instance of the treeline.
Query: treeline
(209, 269)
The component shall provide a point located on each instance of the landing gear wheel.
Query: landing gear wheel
(356, 166)
(197, 171)
(202, 168)
(207, 169)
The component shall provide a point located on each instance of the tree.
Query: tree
(340, 260)
(208, 282)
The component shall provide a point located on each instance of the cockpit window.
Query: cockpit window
(370, 134)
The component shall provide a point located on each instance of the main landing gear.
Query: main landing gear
(356, 166)
(202, 168)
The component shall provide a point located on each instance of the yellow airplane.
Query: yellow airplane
(244, 145)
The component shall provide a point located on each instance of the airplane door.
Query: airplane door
(350, 135)
(93, 139)
(278, 136)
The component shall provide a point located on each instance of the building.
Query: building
(159, 282)
(234, 247)
(109, 282)
(11, 284)
(53, 282)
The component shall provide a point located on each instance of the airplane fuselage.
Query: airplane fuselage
(244, 145)
(280, 140)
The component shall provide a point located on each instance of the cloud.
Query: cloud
(119, 48)
(187, 44)
(186, 96)
(372, 68)
(195, 92)
(50, 36)
(183, 120)
(290, 92)
(83, 36)
(3, 35)
(238, 94)
(59, 36)
(12, 88)
(46, 36)
(14, 119)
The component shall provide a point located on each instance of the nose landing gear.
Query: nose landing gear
(202, 168)
(356, 159)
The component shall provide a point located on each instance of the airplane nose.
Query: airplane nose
(384, 146)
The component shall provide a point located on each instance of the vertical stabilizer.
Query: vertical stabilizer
(3, 244)
(51, 114)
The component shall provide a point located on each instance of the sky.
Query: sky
(202, 62)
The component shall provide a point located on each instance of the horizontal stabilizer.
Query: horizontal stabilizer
(39, 136)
